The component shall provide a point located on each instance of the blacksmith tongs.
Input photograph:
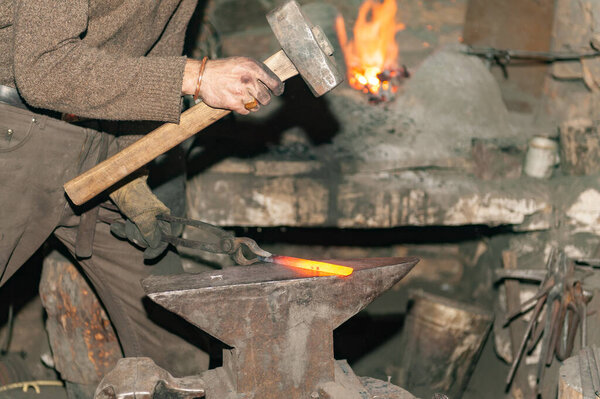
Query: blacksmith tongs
(226, 242)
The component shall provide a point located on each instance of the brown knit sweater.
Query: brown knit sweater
(104, 59)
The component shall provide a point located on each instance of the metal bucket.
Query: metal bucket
(441, 342)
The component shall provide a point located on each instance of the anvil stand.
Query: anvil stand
(279, 325)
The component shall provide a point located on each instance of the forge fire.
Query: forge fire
(371, 55)
(320, 199)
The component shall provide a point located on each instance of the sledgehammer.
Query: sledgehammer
(305, 50)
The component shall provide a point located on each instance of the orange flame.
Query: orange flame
(322, 268)
(373, 48)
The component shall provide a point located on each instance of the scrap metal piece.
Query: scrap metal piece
(310, 54)
(278, 322)
(141, 378)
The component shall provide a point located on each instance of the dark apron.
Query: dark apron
(38, 154)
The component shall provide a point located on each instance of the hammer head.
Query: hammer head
(306, 46)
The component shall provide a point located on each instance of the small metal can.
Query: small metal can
(441, 342)
(542, 157)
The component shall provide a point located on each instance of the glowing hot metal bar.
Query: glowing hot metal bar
(312, 265)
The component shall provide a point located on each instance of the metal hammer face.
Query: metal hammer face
(306, 46)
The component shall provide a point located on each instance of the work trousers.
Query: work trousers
(38, 154)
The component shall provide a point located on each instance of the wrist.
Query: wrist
(190, 77)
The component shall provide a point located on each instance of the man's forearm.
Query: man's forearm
(55, 69)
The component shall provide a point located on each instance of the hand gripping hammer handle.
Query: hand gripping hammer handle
(104, 175)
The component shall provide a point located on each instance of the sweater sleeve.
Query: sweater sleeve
(173, 37)
(54, 69)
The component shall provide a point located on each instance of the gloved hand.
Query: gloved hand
(137, 202)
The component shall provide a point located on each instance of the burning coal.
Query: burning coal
(371, 55)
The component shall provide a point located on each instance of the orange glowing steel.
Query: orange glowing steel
(373, 48)
(313, 265)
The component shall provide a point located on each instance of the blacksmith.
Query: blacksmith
(74, 76)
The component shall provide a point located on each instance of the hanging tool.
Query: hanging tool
(504, 57)
(561, 291)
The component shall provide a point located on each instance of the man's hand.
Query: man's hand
(229, 83)
(137, 202)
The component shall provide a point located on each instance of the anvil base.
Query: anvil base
(345, 386)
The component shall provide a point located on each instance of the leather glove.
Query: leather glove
(137, 202)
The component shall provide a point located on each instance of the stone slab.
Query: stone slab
(318, 195)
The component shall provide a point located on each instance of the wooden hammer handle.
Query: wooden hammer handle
(102, 176)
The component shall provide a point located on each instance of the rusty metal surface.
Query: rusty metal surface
(306, 46)
(278, 322)
(141, 378)
(83, 342)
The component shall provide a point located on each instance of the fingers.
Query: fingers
(118, 229)
(257, 96)
(231, 83)
(259, 88)
(269, 79)
(152, 243)
(153, 253)
(241, 108)
(128, 230)
(251, 103)
(261, 93)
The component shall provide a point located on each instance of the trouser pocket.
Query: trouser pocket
(15, 129)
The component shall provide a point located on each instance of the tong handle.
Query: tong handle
(226, 244)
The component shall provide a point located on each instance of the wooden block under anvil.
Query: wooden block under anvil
(277, 321)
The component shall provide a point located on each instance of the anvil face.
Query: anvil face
(278, 321)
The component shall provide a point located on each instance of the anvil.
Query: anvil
(278, 323)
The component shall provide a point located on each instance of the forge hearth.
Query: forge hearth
(444, 152)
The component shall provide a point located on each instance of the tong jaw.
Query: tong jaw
(228, 243)
(252, 246)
